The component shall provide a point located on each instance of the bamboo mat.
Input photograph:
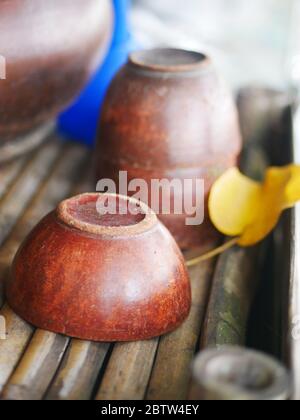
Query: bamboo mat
(36, 364)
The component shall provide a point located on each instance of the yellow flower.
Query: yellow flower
(241, 207)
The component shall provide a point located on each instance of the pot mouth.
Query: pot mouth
(172, 60)
(106, 214)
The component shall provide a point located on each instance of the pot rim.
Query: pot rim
(149, 220)
(169, 60)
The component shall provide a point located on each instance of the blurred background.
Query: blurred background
(251, 43)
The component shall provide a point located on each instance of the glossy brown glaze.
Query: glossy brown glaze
(79, 275)
(51, 48)
(169, 115)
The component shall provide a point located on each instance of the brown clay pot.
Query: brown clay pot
(51, 48)
(168, 114)
(115, 277)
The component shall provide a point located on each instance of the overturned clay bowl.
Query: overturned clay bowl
(109, 277)
(168, 115)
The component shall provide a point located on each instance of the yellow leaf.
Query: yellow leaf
(239, 206)
(293, 188)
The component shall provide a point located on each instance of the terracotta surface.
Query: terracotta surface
(51, 48)
(102, 278)
(169, 115)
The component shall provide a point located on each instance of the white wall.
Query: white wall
(248, 39)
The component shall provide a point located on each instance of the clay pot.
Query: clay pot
(233, 373)
(104, 278)
(169, 115)
(51, 48)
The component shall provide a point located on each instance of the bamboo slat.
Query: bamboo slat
(11, 349)
(23, 190)
(56, 187)
(234, 284)
(17, 147)
(16, 200)
(171, 373)
(127, 373)
(9, 173)
(294, 292)
(36, 368)
(79, 371)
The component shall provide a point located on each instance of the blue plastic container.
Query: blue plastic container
(80, 121)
